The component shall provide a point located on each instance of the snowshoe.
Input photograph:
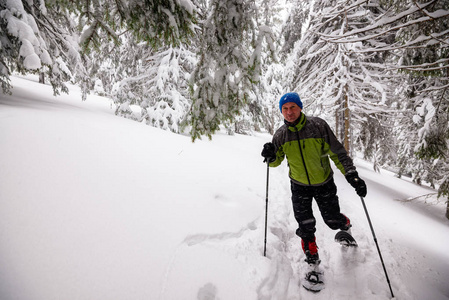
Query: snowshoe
(314, 278)
(345, 239)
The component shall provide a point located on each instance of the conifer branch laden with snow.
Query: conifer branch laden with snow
(222, 80)
(60, 44)
(399, 51)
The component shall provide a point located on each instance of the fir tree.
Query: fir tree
(159, 89)
(44, 39)
(270, 86)
(221, 82)
(32, 41)
(336, 78)
(424, 60)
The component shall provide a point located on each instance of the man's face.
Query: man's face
(291, 111)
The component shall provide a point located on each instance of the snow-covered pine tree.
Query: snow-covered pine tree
(423, 57)
(156, 22)
(147, 72)
(159, 89)
(266, 88)
(270, 91)
(420, 37)
(298, 19)
(146, 84)
(269, 88)
(123, 74)
(143, 26)
(336, 78)
(37, 39)
(44, 38)
(223, 78)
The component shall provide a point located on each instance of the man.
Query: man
(308, 142)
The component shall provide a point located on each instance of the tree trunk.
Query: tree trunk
(347, 133)
(447, 209)
(42, 78)
(337, 122)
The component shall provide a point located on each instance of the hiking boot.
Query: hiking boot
(311, 250)
(312, 259)
(347, 226)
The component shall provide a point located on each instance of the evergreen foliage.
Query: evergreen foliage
(33, 42)
(387, 58)
(424, 64)
(222, 80)
(337, 79)
(158, 87)
(56, 37)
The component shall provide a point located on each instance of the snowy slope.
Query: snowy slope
(93, 206)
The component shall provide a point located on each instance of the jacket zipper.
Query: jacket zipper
(302, 157)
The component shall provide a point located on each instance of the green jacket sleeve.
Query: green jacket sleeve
(337, 151)
(277, 142)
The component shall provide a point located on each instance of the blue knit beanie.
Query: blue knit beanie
(290, 97)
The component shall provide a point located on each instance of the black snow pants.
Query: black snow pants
(326, 197)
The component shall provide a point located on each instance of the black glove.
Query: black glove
(268, 152)
(356, 182)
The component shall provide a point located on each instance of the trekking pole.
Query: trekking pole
(266, 211)
(377, 245)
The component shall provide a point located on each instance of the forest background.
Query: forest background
(377, 70)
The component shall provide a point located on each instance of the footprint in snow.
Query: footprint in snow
(225, 201)
(208, 292)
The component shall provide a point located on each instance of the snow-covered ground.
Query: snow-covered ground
(93, 206)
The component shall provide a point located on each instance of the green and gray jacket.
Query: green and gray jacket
(308, 146)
